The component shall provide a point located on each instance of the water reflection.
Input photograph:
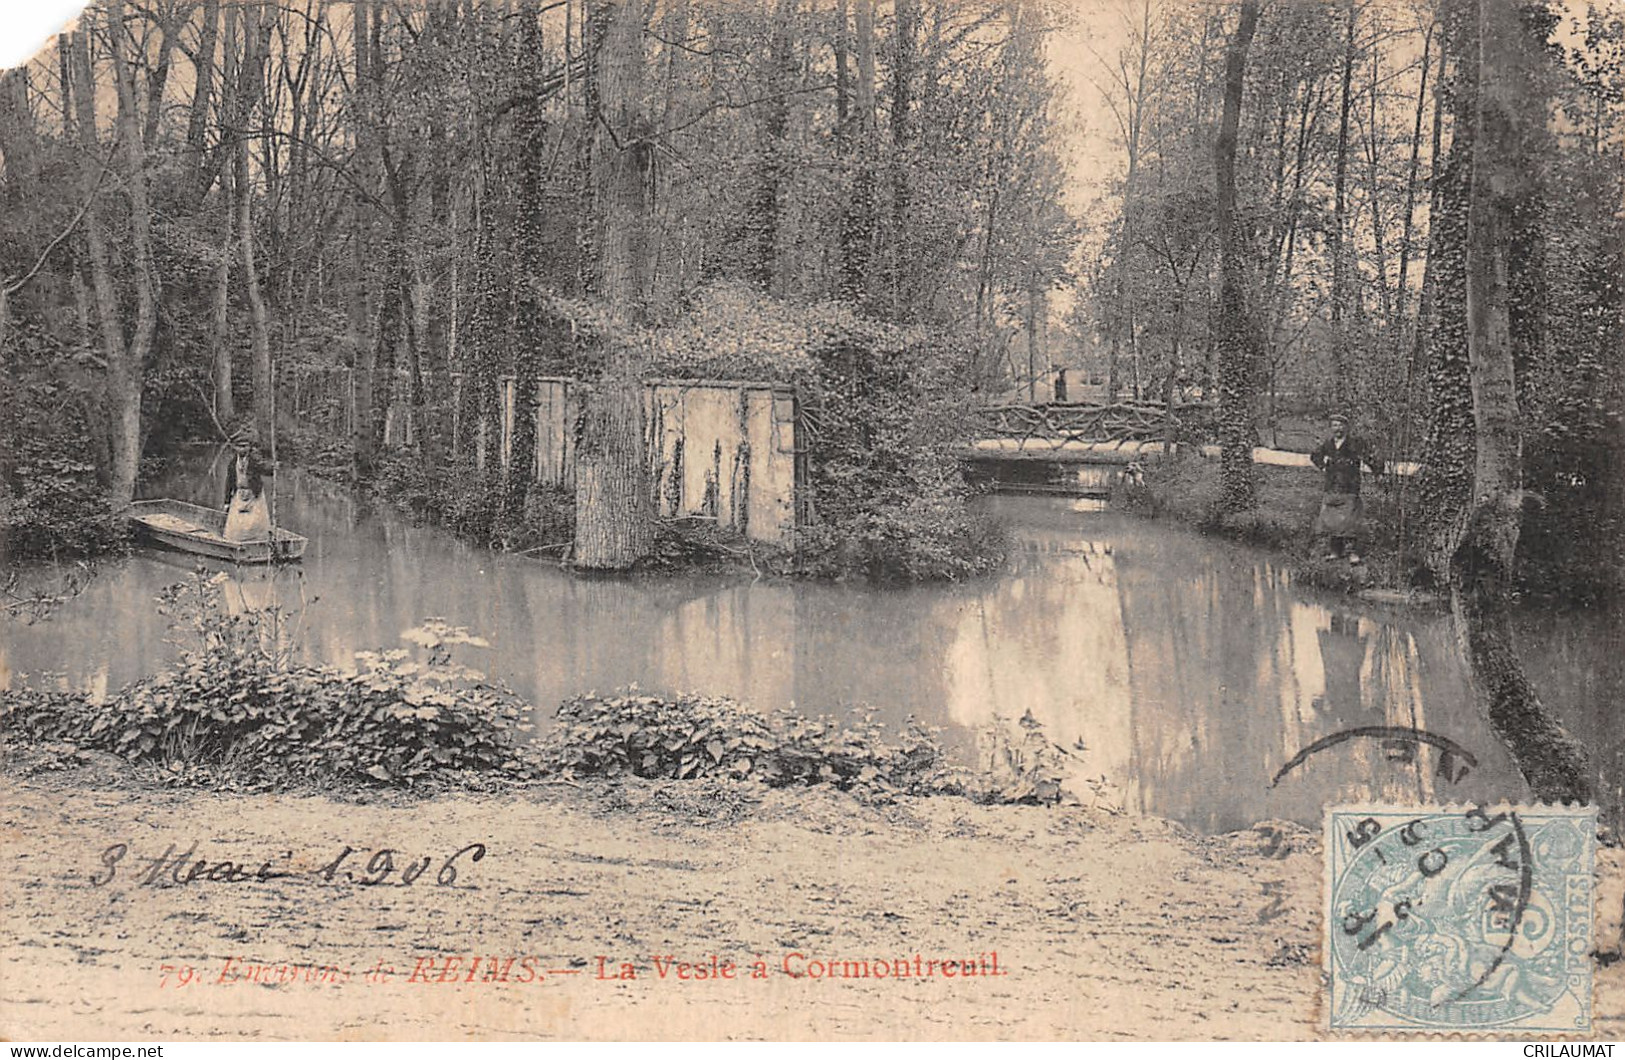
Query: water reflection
(1188, 669)
(1192, 672)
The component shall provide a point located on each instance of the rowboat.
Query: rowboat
(194, 528)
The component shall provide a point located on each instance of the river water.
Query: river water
(1188, 670)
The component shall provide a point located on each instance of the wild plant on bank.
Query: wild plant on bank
(688, 737)
(236, 709)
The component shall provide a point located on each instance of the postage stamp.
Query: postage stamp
(1458, 919)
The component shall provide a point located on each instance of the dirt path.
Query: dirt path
(1105, 926)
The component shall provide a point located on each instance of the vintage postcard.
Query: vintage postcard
(812, 520)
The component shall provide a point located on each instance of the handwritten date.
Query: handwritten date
(383, 866)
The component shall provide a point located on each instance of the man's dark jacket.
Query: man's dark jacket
(1342, 464)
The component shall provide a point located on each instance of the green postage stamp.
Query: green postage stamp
(1460, 920)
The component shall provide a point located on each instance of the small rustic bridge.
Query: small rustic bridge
(1071, 448)
(1075, 448)
(1115, 422)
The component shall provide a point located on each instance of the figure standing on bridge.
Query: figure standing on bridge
(1341, 512)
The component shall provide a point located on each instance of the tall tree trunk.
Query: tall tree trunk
(18, 139)
(1379, 252)
(1135, 88)
(1170, 382)
(126, 358)
(841, 44)
(1483, 563)
(220, 309)
(677, 227)
(197, 123)
(158, 74)
(1445, 485)
(1416, 349)
(904, 55)
(225, 406)
(128, 441)
(1424, 297)
(614, 523)
(361, 248)
(1408, 226)
(1339, 252)
(1237, 338)
(768, 259)
(858, 221)
(19, 148)
(249, 100)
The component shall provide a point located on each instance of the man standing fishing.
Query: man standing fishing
(1341, 517)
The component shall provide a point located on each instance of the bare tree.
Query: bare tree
(250, 100)
(125, 354)
(1482, 566)
(1128, 95)
(614, 522)
(1237, 338)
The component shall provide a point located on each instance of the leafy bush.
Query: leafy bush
(472, 505)
(690, 737)
(549, 517)
(930, 537)
(693, 736)
(58, 509)
(884, 410)
(456, 497)
(234, 709)
(1021, 764)
(232, 706)
(51, 501)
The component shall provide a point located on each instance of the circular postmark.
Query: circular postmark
(1437, 919)
(1402, 744)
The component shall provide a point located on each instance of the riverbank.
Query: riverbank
(1103, 926)
(1187, 490)
(900, 532)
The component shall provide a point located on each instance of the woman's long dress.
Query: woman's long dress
(248, 513)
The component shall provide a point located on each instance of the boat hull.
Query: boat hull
(196, 529)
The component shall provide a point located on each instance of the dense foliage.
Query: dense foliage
(355, 218)
(234, 707)
(479, 507)
(237, 708)
(52, 502)
(1351, 182)
(689, 737)
(884, 412)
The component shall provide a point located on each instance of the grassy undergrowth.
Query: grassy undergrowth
(1187, 489)
(237, 710)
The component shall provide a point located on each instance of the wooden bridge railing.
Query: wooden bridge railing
(1118, 421)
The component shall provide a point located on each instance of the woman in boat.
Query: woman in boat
(248, 514)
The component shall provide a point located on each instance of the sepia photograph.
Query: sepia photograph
(1150, 564)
